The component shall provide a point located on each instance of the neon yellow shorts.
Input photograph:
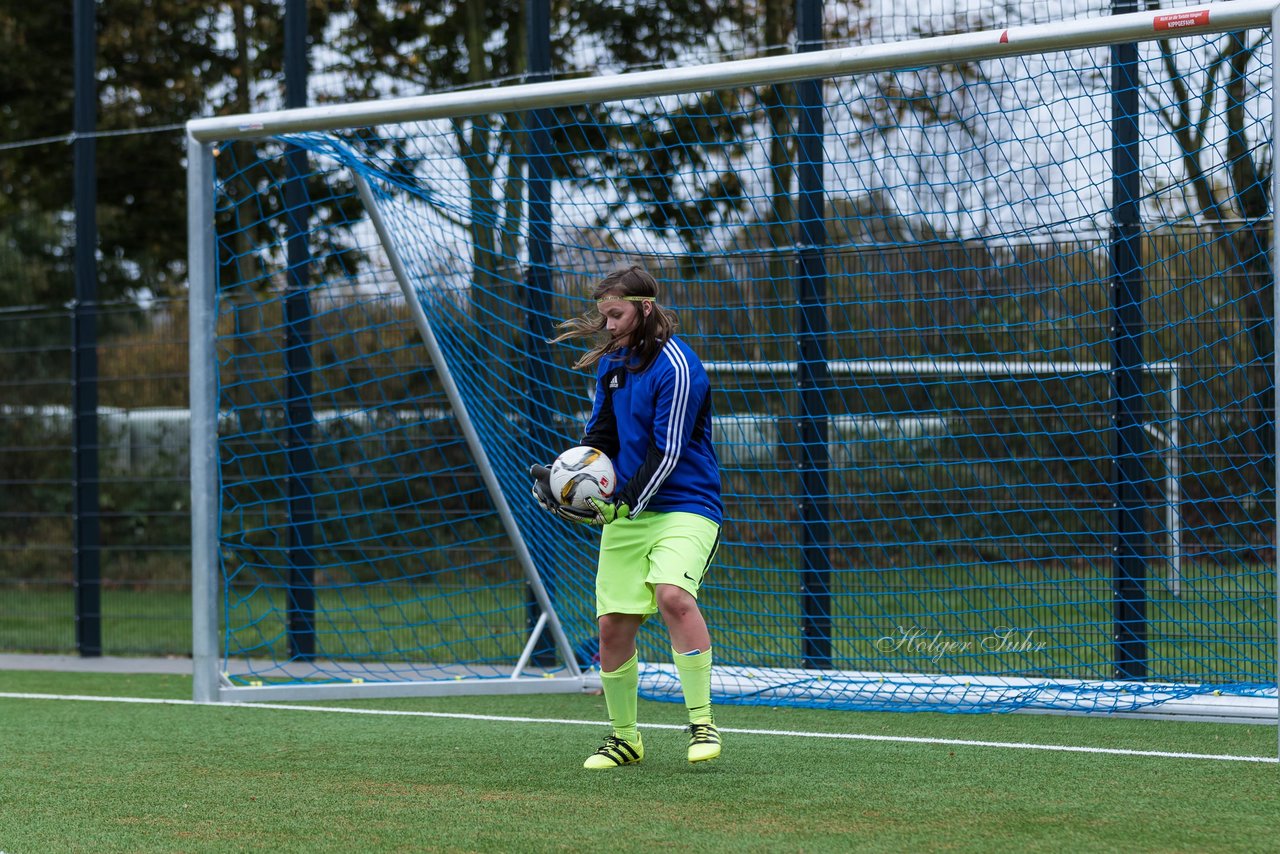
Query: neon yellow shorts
(653, 548)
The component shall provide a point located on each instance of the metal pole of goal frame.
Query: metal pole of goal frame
(469, 433)
(1275, 316)
(203, 369)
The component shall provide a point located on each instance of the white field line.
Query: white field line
(839, 736)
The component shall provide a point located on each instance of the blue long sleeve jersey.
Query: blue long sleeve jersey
(655, 425)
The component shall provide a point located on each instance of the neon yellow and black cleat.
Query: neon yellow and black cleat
(704, 742)
(615, 752)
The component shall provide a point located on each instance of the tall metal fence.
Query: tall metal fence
(144, 486)
(143, 424)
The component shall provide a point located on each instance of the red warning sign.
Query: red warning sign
(1178, 20)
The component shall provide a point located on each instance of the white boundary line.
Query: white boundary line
(840, 736)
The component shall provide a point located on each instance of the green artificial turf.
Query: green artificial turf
(91, 776)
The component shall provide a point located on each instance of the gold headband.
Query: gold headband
(628, 299)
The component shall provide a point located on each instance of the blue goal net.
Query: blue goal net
(991, 343)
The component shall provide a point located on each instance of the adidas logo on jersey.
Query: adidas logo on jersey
(613, 383)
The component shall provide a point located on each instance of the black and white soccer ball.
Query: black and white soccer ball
(580, 474)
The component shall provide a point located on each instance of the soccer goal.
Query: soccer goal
(989, 318)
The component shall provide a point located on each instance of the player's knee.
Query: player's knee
(616, 629)
(674, 602)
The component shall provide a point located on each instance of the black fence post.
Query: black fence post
(299, 414)
(538, 281)
(811, 366)
(1131, 547)
(84, 333)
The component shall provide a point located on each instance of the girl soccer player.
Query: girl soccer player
(652, 417)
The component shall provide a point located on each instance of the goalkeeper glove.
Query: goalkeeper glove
(547, 500)
(607, 512)
(542, 487)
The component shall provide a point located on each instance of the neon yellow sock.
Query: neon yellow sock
(621, 687)
(695, 681)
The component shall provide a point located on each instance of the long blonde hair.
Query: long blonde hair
(654, 329)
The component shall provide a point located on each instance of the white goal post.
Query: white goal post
(520, 675)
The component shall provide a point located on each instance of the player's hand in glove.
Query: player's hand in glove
(578, 516)
(607, 512)
(547, 500)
